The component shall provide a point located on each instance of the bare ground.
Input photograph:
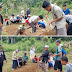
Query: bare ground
(11, 30)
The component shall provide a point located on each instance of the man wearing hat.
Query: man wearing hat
(58, 17)
(22, 12)
(21, 28)
(18, 19)
(58, 56)
(28, 11)
(2, 58)
(14, 59)
(44, 63)
(1, 20)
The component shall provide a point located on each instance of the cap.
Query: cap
(20, 56)
(58, 41)
(29, 15)
(23, 21)
(61, 44)
(46, 46)
(17, 15)
(17, 50)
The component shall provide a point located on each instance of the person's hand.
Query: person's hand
(54, 55)
(46, 16)
(50, 22)
(6, 61)
(1, 24)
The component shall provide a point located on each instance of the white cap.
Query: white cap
(46, 46)
(29, 15)
(28, 8)
(23, 21)
(61, 44)
(20, 56)
(17, 50)
(17, 15)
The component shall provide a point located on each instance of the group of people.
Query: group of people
(18, 62)
(50, 61)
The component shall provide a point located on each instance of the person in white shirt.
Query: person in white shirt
(14, 58)
(34, 22)
(13, 19)
(22, 12)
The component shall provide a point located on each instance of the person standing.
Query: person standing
(22, 12)
(58, 17)
(66, 10)
(44, 63)
(14, 58)
(28, 11)
(1, 20)
(58, 56)
(2, 58)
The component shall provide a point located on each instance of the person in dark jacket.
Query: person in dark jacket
(28, 12)
(1, 20)
(2, 58)
(44, 64)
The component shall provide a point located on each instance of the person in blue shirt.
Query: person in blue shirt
(66, 10)
(18, 19)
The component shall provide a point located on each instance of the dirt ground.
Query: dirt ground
(11, 30)
(29, 68)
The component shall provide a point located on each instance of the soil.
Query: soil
(11, 30)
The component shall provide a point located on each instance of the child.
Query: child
(35, 60)
(1, 20)
(7, 21)
(50, 65)
(20, 61)
(18, 19)
(21, 28)
(25, 59)
(52, 59)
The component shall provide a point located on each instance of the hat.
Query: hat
(61, 44)
(23, 21)
(20, 56)
(17, 50)
(58, 41)
(17, 15)
(46, 46)
(29, 15)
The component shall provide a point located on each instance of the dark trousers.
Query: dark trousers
(25, 62)
(14, 21)
(1, 64)
(15, 64)
(33, 27)
(20, 63)
(69, 30)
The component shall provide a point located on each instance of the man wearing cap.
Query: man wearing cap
(58, 56)
(18, 19)
(28, 12)
(13, 19)
(14, 58)
(34, 22)
(44, 63)
(1, 20)
(2, 58)
(21, 28)
(58, 17)
(66, 10)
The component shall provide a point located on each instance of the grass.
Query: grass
(8, 66)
